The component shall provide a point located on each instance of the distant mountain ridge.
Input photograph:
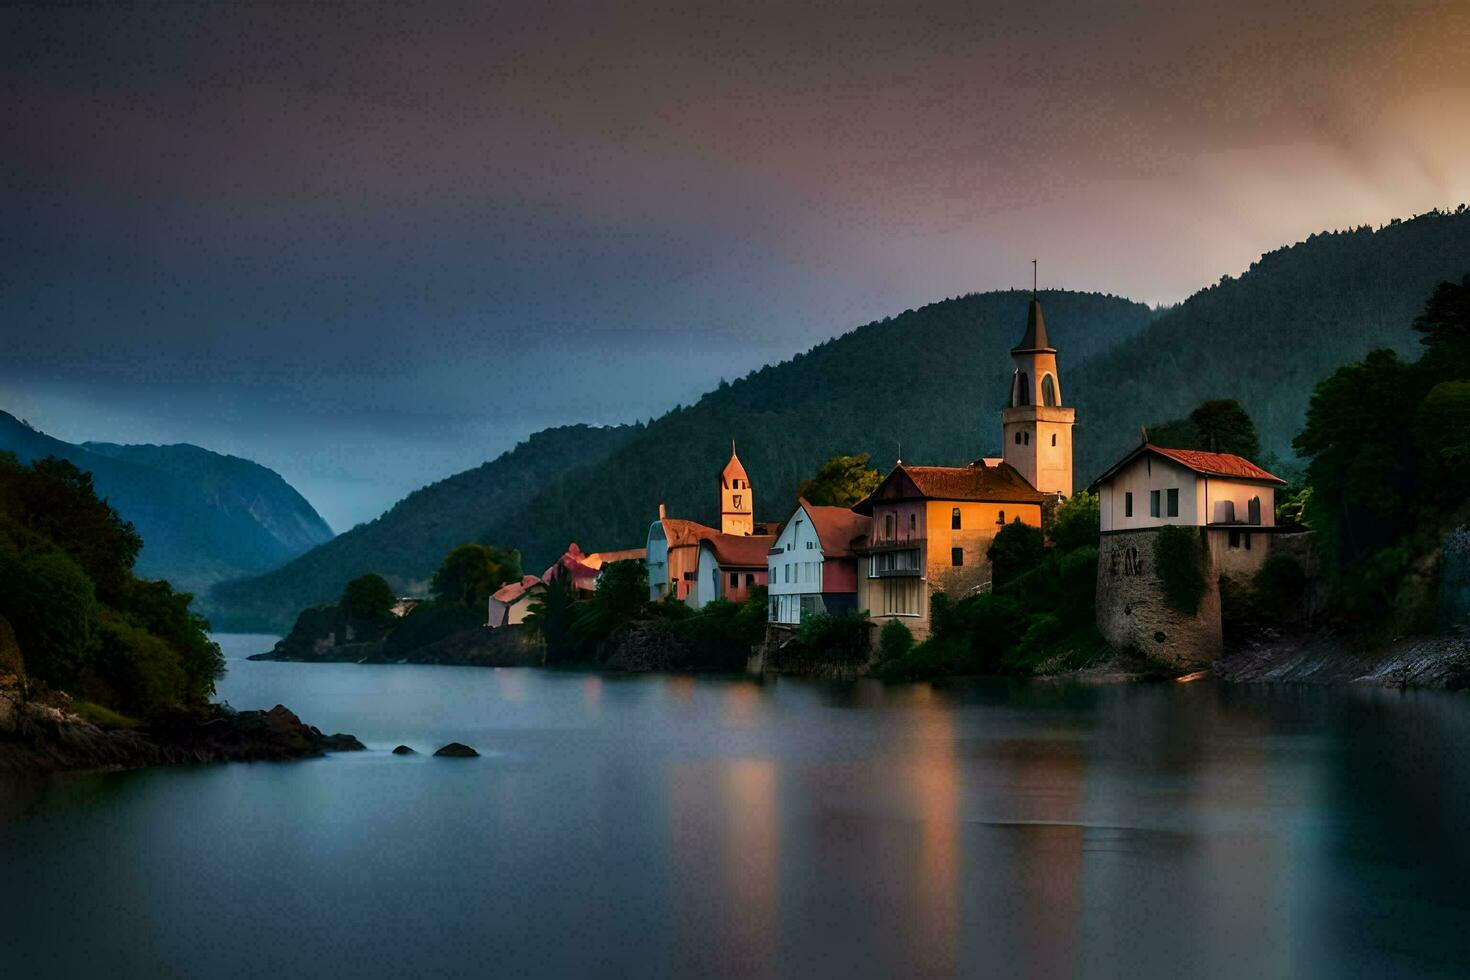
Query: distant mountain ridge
(204, 516)
(930, 382)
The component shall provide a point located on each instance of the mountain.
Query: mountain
(934, 373)
(931, 381)
(407, 542)
(1267, 337)
(203, 516)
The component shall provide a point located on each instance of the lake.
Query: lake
(663, 825)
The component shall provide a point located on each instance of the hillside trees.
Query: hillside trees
(841, 482)
(471, 572)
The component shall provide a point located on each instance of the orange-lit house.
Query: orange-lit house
(931, 530)
(672, 553)
(586, 570)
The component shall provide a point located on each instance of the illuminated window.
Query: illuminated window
(954, 519)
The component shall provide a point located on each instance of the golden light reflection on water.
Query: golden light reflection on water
(512, 684)
(934, 777)
(744, 704)
(592, 692)
(725, 842)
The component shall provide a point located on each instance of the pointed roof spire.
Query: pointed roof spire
(1035, 338)
(733, 470)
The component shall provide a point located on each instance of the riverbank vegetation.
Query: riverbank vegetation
(82, 620)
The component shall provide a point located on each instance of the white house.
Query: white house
(813, 565)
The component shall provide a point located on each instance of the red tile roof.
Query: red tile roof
(998, 484)
(740, 550)
(1218, 464)
(837, 528)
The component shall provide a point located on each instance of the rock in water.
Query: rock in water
(404, 750)
(457, 750)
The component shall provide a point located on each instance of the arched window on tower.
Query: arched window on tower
(1053, 438)
(1018, 437)
(1048, 391)
(1020, 390)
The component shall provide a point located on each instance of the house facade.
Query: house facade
(813, 564)
(931, 530)
(730, 566)
(1226, 500)
(508, 605)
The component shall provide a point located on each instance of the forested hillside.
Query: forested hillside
(203, 516)
(931, 381)
(1266, 338)
(407, 542)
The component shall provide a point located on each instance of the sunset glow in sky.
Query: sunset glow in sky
(376, 245)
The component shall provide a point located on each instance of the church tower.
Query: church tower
(737, 502)
(1037, 429)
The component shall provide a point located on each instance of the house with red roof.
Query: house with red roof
(931, 530)
(509, 604)
(729, 566)
(813, 564)
(672, 552)
(1227, 500)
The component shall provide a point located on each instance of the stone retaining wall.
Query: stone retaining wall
(1132, 613)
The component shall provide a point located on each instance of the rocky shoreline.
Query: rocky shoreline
(1315, 657)
(507, 646)
(40, 737)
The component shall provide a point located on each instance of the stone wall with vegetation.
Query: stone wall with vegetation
(1134, 613)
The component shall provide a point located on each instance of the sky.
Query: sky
(373, 244)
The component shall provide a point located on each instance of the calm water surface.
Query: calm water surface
(673, 825)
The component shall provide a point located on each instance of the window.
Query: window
(1173, 501)
(787, 574)
(887, 563)
(954, 519)
(913, 523)
(888, 525)
(689, 576)
(957, 556)
(1128, 504)
(734, 580)
(1253, 509)
(1153, 503)
(1053, 438)
(1028, 439)
(738, 498)
(749, 579)
(1235, 539)
(1018, 437)
(1048, 391)
(1021, 394)
(1001, 518)
(810, 545)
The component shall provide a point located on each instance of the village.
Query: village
(927, 530)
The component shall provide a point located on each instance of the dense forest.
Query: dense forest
(929, 383)
(204, 516)
(1267, 337)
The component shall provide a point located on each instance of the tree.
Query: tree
(52, 605)
(368, 599)
(895, 640)
(1218, 426)
(1016, 550)
(622, 592)
(1445, 322)
(1077, 522)
(471, 572)
(550, 615)
(841, 482)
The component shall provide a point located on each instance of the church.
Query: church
(696, 563)
(932, 526)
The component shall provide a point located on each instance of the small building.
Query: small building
(730, 565)
(813, 565)
(1228, 501)
(672, 550)
(509, 604)
(931, 531)
(586, 570)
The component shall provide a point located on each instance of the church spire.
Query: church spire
(1035, 338)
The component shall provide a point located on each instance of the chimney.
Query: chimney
(663, 512)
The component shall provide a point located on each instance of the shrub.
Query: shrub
(1016, 550)
(1077, 522)
(842, 637)
(1179, 563)
(895, 640)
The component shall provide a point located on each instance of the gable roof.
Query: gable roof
(739, 550)
(678, 531)
(1001, 484)
(512, 591)
(1227, 465)
(836, 527)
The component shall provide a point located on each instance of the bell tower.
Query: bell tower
(1037, 430)
(737, 501)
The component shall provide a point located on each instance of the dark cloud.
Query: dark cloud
(374, 243)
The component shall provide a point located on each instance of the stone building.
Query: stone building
(1228, 501)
